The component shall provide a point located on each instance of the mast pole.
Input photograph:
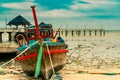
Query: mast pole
(36, 22)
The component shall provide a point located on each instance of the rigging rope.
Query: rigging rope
(58, 77)
(50, 58)
(19, 54)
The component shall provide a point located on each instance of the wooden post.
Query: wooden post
(10, 36)
(100, 32)
(84, 32)
(72, 33)
(59, 33)
(62, 32)
(66, 33)
(90, 32)
(79, 33)
(104, 32)
(95, 32)
(1, 37)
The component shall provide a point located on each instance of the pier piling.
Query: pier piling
(10, 36)
(90, 32)
(1, 37)
(84, 32)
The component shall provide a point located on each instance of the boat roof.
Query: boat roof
(42, 25)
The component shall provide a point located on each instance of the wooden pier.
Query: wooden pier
(8, 47)
(7, 50)
(63, 32)
(82, 32)
(11, 33)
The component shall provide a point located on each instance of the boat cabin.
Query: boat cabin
(46, 31)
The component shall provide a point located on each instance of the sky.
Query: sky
(65, 13)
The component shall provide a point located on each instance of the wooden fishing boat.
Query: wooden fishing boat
(40, 56)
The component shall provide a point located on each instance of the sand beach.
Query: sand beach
(89, 58)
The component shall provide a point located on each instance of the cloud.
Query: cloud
(103, 9)
(20, 5)
(73, 12)
(61, 13)
(90, 4)
(103, 16)
(79, 8)
(81, 1)
(11, 1)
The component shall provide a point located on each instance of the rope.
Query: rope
(19, 54)
(50, 58)
(57, 75)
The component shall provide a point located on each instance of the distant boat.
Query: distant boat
(43, 56)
